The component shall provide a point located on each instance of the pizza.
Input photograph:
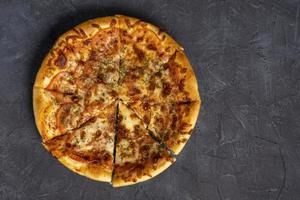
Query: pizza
(116, 100)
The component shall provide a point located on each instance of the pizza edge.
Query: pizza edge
(164, 164)
(190, 119)
(163, 36)
(90, 171)
(40, 102)
(191, 84)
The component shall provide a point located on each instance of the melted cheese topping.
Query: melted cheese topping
(97, 135)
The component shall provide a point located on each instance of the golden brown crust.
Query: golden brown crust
(43, 106)
(123, 21)
(87, 150)
(91, 171)
(193, 115)
(191, 84)
(166, 43)
(190, 119)
(163, 165)
(166, 40)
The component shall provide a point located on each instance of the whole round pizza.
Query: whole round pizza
(116, 100)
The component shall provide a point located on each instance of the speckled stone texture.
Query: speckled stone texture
(246, 56)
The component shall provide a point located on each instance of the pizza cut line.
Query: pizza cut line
(115, 99)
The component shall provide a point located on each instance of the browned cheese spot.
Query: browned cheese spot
(72, 37)
(140, 54)
(113, 22)
(61, 60)
(82, 134)
(174, 121)
(87, 42)
(181, 85)
(93, 55)
(95, 25)
(166, 89)
(146, 106)
(146, 119)
(76, 31)
(82, 33)
(127, 21)
(134, 91)
(151, 47)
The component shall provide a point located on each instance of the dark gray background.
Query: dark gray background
(247, 139)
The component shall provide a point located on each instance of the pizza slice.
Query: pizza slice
(84, 55)
(88, 150)
(170, 123)
(55, 113)
(138, 156)
(153, 65)
(102, 64)
(173, 123)
(141, 54)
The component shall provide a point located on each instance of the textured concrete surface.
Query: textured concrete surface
(246, 55)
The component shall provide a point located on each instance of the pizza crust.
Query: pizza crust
(91, 171)
(193, 115)
(191, 84)
(43, 106)
(190, 119)
(166, 40)
(164, 164)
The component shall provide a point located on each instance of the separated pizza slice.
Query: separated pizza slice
(138, 156)
(88, 150)
(170, 123)
(173, 123)
(56, 113)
